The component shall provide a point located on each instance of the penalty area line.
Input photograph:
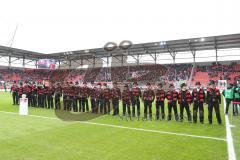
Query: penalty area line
(129, 128)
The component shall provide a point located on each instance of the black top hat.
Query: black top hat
(211, 82)
(135, 83)
(160, 84)
(198, 83)
(183, 84)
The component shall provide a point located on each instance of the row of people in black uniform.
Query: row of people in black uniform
(101, 97)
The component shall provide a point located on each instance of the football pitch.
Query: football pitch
(42, 136)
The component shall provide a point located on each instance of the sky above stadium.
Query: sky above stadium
(49, 26)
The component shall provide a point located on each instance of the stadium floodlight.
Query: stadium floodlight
(87, 51)
(202, 39)
(162, 43)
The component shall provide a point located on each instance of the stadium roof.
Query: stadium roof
(172, 47)
(20, 53)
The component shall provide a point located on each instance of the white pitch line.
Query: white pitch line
(231, 152)
(129, 128)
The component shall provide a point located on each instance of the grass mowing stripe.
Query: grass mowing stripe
(129, 128)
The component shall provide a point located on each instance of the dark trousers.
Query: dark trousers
(74, 103)
(147, 106)
(18, 98)
(93, 105)
(57, 102)
(34, 100)
(40, 100)
(29, 96)
(235, 107)
(228, 102)
(186, 106)
(106, 107)
(172, 105)
(126, 105)
(160, 105)
(45, 100)
(99, 106)
(115, 104)
(65, 102)
(69, 103)
(15, 98)
(80, 104)
(198, 106)
(214, 105)
(136, 102)
(85, 104)
(50, 101)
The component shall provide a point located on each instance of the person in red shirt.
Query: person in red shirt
(184, 100)
(40, 96)
(116, 96)
(93, 91)
(58, 95)
(85, 94)
(13, 90)
(27, 92)
(34, 95)
(148, 98)
(99, 98)
(126, 100)
(66, 96)
(75, 97)
(213, 101)
(50, 95)
(136, 95)
(160, 97)
(172, 96)
(20, 91)
(198, 98)
(106, 99)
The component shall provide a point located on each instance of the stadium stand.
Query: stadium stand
(168, 73)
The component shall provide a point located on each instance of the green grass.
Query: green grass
(33, 138)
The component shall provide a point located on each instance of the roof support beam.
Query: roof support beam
(193, 52)
(30, 61)
(76, 62)
(15, 60)
(216, 49)
(9, 61)
(23, 63)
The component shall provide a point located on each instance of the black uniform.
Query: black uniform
(14, 92)
(198, 98)
(213, 100)
(58, 94)
(50, 95)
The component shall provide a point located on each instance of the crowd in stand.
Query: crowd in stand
(220, 71)
(141, 73)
